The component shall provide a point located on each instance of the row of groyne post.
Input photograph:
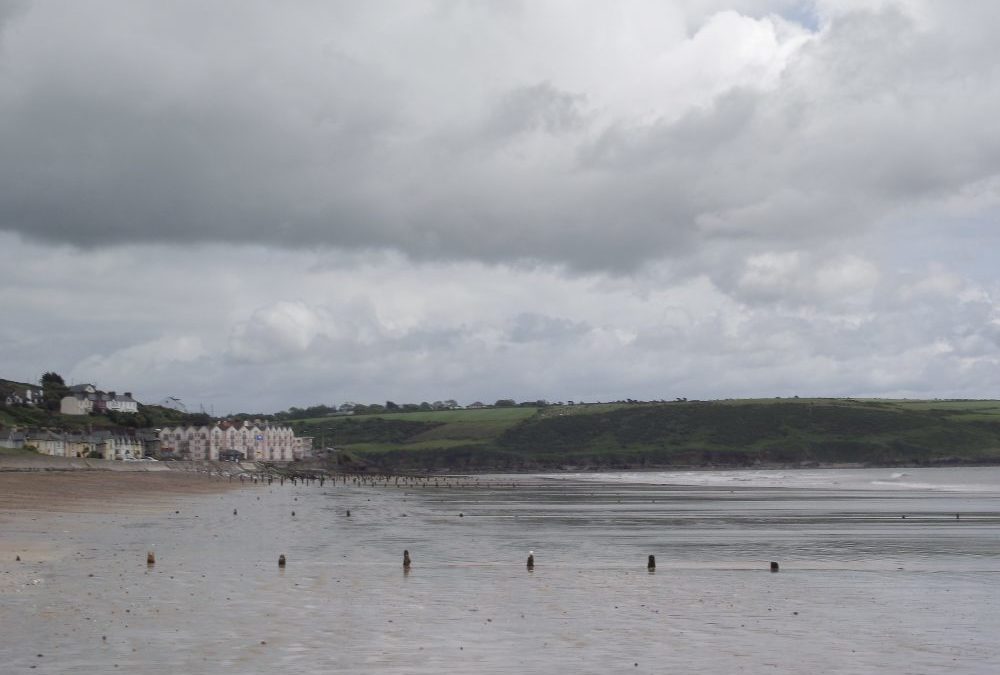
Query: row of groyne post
(408, 561)
(269, 474)
(266, 474)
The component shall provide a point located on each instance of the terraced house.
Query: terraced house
(102, 444)
(252, 441)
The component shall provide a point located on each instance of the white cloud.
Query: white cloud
(430, 200)
(277, 332)
(143, 368)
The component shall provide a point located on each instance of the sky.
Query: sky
(250, 205)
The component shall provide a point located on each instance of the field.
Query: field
(681, 433)
(421, 430)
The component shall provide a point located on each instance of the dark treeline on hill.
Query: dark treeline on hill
(351, 408)
(732, 434)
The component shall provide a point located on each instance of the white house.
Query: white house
(253, 440)
(123, 403)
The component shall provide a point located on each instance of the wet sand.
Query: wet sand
(99, 491)
(860, 590)
(32, 503)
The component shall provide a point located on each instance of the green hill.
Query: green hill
(148, 416)
(681, 434)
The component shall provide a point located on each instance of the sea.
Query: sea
(879, 571)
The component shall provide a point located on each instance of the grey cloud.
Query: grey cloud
(695, 136)
(539, 107)
(9, 9)
(528, 327)
(302, 137)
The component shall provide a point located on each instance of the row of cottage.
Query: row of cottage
(96, 444)
(252, 441)
(222, 441)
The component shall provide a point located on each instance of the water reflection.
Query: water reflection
(860, 588)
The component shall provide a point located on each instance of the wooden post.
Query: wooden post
(406, 560)
(774, 566)
(531, 560)
(651, 563)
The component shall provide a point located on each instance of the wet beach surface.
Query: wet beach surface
(861, 588)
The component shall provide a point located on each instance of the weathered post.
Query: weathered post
(406, 560)
(281, 560)
(651, 563)
(774, 566)
(531, 560)
(150, 558)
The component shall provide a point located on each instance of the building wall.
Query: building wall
(257, 443)
(123, 406)
(71, 405)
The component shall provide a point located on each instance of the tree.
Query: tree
(54, 389)
(389, 405)
(52, 378)
(505, 403)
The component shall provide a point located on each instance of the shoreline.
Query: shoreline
(29, 463)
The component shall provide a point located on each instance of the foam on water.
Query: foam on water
(960, 480)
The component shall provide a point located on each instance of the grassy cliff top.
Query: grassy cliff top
(684, 433)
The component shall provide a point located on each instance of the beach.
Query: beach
(861, 588)
(36, 505)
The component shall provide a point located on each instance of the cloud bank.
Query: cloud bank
(596, 139)
(437, 199)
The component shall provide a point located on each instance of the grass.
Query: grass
(583, 409)
(700, 433)
(378, 448)
(419, 430)
(37, 417)
(16, 452)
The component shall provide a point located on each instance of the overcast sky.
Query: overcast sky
(251, 205)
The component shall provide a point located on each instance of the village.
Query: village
(221, 440)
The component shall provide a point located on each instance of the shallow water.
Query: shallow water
(861, 588)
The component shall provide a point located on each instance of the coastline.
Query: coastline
(32, 463)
